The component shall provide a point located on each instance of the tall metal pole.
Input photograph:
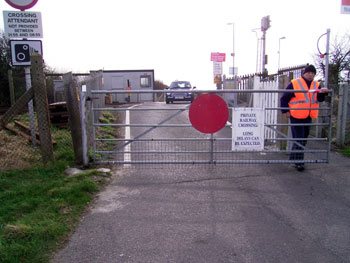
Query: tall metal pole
(327, 59)
(263, 52)
(12, 87)
(279, 51)
(265, 25)
(30, 105)
(233, 48)
(257, 50)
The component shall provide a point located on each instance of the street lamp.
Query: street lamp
(233, 47)
(327, 56)
(257, 48)
(279, 51)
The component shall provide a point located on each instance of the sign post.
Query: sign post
(217, 59)
(209, 114)
(30, 105)
(20, 24)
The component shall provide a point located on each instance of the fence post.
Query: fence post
(83, 125)
(89, 115)
(341, 118)
(72, 99)
(11, 86)
(256, 96)
(42, 107)
(282, 118)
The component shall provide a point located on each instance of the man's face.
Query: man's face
(309, 76)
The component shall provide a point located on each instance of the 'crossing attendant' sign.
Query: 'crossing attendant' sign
(20, 24)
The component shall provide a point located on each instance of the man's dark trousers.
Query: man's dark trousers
(299, 132)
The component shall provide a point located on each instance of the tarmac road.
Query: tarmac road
(242, 213)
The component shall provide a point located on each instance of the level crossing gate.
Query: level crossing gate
(156, 133)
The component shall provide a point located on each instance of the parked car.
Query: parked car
(187, 95)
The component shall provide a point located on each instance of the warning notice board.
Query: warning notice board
(248, 129)
(20, 24)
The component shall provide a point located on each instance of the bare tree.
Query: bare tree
(339, 61)
(159, 85)
(5, 66)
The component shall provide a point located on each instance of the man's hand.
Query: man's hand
(324, 90)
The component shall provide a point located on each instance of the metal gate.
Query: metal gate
(158, 133)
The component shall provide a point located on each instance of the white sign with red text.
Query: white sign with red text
(217, 57)
(345, 6)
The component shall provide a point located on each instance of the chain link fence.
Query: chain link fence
(20, 143)
(18, 152)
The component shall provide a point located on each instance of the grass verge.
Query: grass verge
(39, 208)
(346, 151)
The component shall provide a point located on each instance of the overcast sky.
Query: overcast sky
(175, 38)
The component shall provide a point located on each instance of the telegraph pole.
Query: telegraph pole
(233, 48)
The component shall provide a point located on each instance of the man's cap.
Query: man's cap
(310, 68)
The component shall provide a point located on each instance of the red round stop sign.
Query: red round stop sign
(208, 113)
(21, 4)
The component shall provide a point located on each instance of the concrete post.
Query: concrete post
(342, 112)
(281, 118)
(11, 86)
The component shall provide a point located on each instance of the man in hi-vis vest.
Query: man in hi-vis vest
(303, 107)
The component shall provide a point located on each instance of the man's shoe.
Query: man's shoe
(300, 167)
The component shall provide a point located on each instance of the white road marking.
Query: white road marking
(127, 156)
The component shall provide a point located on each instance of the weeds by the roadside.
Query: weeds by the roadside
(38, 208)
(17, 153)
(346, 151)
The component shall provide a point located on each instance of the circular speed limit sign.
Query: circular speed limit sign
(21, 4)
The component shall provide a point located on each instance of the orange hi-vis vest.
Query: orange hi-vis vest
(304, 100)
